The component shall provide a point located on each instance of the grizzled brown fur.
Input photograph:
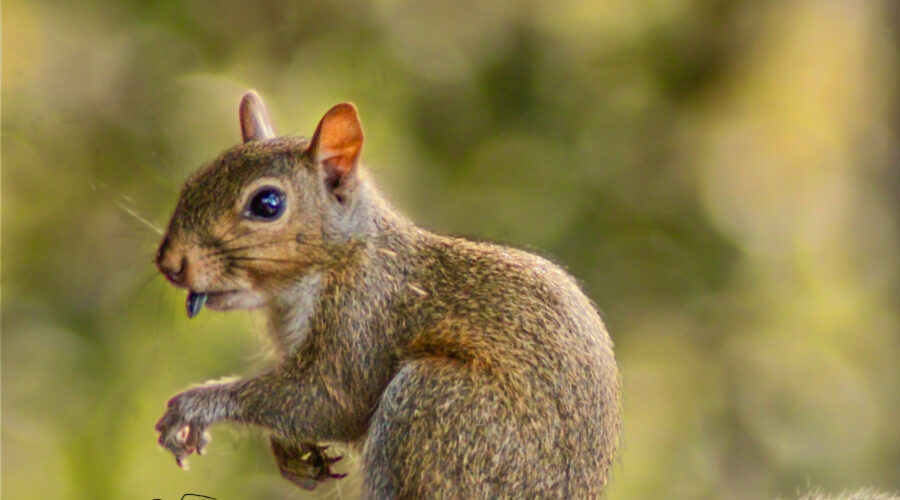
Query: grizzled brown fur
(464, 370)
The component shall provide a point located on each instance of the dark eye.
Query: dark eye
(266, 204)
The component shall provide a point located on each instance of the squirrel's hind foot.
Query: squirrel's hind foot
(306, 465)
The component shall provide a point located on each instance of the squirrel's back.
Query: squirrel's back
(502, 335)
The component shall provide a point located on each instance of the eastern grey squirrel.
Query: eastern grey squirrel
(462, 369)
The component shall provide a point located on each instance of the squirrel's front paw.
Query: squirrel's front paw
(305, 465)
(182, 429)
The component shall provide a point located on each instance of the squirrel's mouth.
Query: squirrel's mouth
(220, 301)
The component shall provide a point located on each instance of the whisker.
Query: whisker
(147, 281)
(231, 280)
(236, 237)
(125, 203)
(262, 259)
(247, 247)
(128, 210)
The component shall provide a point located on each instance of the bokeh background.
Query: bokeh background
(721, 175)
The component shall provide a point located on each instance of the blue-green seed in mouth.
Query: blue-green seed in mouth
(195, 301)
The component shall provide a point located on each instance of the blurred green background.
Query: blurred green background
(721, 175)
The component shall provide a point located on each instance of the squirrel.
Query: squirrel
(461, 369)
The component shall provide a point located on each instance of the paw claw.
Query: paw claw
(182, 435)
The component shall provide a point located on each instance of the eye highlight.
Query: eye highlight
(266, 204)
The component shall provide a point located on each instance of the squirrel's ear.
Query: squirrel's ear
(337, 142)
(255, 125)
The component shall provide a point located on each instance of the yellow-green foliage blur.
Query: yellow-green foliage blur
(721, 176)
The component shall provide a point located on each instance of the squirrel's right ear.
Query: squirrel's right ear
(255, 125)
(336, 145)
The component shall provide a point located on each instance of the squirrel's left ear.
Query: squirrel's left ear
(255, 125)
(336, 144)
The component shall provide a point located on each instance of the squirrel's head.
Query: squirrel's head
(264, 212)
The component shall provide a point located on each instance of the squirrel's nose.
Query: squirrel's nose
(172, 264)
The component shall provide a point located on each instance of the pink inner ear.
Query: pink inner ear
(338, 139)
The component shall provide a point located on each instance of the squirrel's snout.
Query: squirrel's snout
(172, 264)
